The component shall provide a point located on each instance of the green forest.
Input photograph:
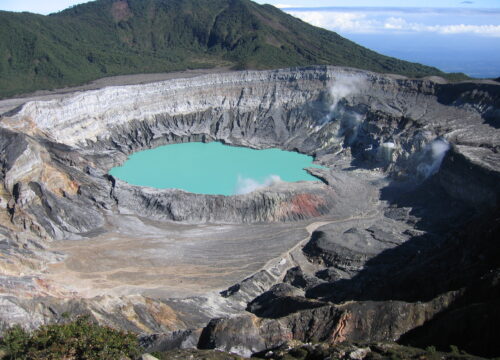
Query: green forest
(113, 37)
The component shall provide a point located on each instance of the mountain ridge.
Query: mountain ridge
(115, 37)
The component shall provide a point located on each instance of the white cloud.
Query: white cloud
(340, 21)
(247, 185)
(356, 22)
(485, 30)
(401, 24)
(393, 23)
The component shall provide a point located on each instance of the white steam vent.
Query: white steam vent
(247, 185)
(385, 151)
(343, 87)
(432, 157)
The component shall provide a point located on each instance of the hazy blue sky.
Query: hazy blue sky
(46, 7)
(385, 3)
(37, 6)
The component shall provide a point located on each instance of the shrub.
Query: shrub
(77, 340)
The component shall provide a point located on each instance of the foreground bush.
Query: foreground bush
(77, 340)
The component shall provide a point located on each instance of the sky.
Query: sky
(454, 35)
(46, 7)
(385, 3)
(475, 21)
(37, 6)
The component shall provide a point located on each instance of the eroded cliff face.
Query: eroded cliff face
(407, 163)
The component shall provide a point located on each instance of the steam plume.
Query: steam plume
(385, 151)
(432, 157)
(247, 185)
(343, 87)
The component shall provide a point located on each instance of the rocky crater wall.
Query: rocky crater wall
(375, 121)
(379, 136)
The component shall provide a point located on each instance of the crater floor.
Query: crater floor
(155, 259)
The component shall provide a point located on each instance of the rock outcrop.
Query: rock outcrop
(376, 249)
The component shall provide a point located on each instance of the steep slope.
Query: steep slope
(400, 234)
(111, 37)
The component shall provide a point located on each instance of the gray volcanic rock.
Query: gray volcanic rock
(369, 252)
(296, 277)
(471, 174)
(280, 300)
(476, 312)
(366, 321)
(183, 339)
(288, 202)
(348, 252)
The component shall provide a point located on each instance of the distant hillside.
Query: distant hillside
(112, 37)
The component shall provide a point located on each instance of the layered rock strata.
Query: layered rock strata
(408, 164)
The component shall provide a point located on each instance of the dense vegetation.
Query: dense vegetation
(111, 37)
(79, 339)
(322, 351)
(82, 339)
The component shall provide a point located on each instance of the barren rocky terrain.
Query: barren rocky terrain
(397, 242)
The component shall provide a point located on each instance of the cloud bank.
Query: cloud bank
(394, 20)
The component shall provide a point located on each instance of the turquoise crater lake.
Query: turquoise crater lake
(213, 168)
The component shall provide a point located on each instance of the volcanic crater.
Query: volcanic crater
(386, 244)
